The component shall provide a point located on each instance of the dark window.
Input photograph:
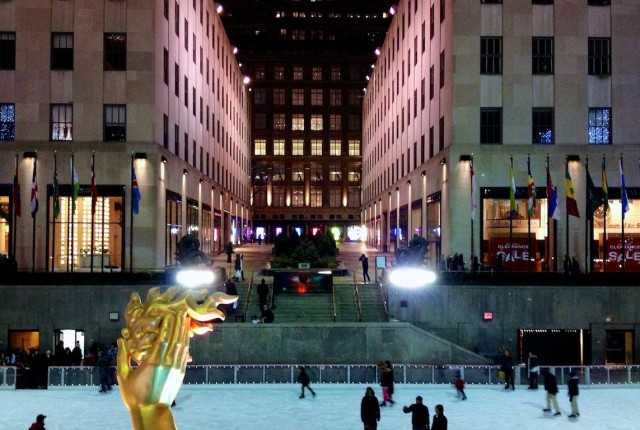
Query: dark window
(7, 121)
(431, 142)
(491, 126)
(115, 123)
(491, 55)
(599, 126)
(600, 56)
(542, 126)
(442, 9)
(186, 91)
(165, 131)
(62, 51)
(491, 1)
(186, 147)
(422, 94)
(599, 2)
(61, 122)
(442, 69)
(176, 139)
(176, 79)
(542, 2)
(422, 149)
(115, 51)
(542, 55)
(186, 35)
(432, 78)
(7, 51)
(432, 23)
(177, 19)
(441, 139)
(165, 8)
(165, 66)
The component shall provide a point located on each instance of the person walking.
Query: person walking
(365, 267)
(419, 414)
(103, 364)
(573, 394)
(386, 382)
(440, 422)
(534, 368)
(39, 424)
(506, 365)
(263, 293)
(551, 387)
(228, 249)
(304, 381)
(370, 410)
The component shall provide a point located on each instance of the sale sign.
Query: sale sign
(515, 254)
(616, 253)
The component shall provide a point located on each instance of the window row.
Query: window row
(318, 147)
(62, 51)
(599, 125)
(61, 122)
(301, 97)
(301, 122)
(589, 2)
(279, 198)
(542, 56)
(333, 72)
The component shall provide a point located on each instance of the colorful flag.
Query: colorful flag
(75, 185)
(572, 204)
(135, 192)
(552, 197)
(473, 190)
(624, 197)
(605, 189)
(594, 196)
(94, 188)
(512, 192)
(17, 206)
(34, 189)
(56, 190)
(531, 191)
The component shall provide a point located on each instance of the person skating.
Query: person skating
(39, 424)
(304, 381)
(440, 422)
(573, 394)
(534, 368)
(386, 382)
(551, 387)
(370, 410)
(506, 365)
(419, 414)
(459, 384)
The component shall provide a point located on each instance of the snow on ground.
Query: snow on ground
(336, 407)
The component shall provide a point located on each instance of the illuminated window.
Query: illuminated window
(335, 122)
(260, 147)
(316, 122)
(278, 73)
(315, 195)
(297, 172)
(115, 123)
(316, 147)
(278, 121)
(354, 147)
(298, 73)
(599, 126)
(297, 197)
(7, 121)
(335, 147)
(297, 147)
(316, 73)
(278, 147)
(297, 122)
(61, 122)
(316, 97)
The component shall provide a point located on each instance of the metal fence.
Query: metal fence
(77, 376)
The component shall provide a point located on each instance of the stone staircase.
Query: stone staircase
(372, 303)
(315, 307)
(346, 305)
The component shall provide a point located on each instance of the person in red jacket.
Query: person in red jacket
(39, 424)
(459, 384)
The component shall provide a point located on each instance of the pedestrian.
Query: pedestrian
(566, 264)
(103, 364)
(39, 424)
(370, 410)
(573, 394)
(551, 387)
(238, 268)
(77, 354)
(386, 382)
(231, 289)
(459, 384)
(365, 268)
(242, 266)
(267, 315)
(439, 420)
(534, 368)
(263, 293)
(506, 365)
(419, 414)
(229, 250)
(304, 381)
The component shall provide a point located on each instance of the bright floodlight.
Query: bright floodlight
(219, 8)
(411, 277)
(194, 278)
(246, 80)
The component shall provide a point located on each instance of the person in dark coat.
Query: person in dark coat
(506, 365)
(419, 414)
(534, 367)
(551, 387)
(386, 382)
(304, 381)
(231, 289)
(103, 364)
(439, 420)
(370, 410)
(39, 424)
(267, 315)
(365, 268)
(228, 249)
(573, 394)
(263, 293)
(77, 354)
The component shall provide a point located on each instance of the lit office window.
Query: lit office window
(354, 147)
(297, 147)
(260, 147)
(335, 147)
(297, 122)
(278, 147)
(316, 147)
(316, 122)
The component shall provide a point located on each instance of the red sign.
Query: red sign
(488, 316)
(615, 255)
(515, 254)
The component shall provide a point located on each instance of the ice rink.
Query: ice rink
(336, 407)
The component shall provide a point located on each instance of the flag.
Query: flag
(512, 192)
(623, 191)
(605, 189)
(572, 204)
(17, 206)
(94, 188)
(56, 191)
(135, 192)
(34, 189)
(594, 196)
(75, 185)
(473, 190)
(531, 191)
(552, 197)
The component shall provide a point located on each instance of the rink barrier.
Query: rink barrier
(79, 376)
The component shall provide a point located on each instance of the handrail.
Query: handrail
(333, 298)
(384, 299)
(358, 301)
(245, 307)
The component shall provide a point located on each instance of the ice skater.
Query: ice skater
(573, 394)
(551, 387)
(459, 384)
(386, 382)
(39, 424)
(370, 410)
(304, 381)
(419, 414)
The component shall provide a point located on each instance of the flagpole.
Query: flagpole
(73, 213)
(511, 215)
(622, 190)
(548, 250)
(93, 212)
(53, 228)
(606, 207)
(15, 212)
(529, 206)
(33, 214)
(471, 178)
(131, 217)
(566, 217)
(588, 258)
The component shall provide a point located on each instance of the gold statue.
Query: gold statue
(157, 337)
